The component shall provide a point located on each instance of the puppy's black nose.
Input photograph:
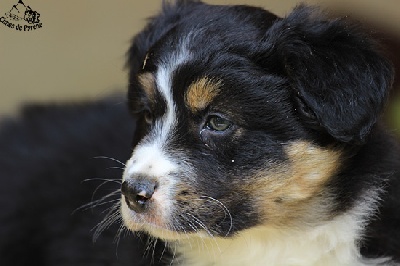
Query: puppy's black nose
(138, 193)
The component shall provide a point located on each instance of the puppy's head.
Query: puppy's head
(244, 118)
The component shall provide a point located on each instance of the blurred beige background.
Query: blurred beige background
(79, 52)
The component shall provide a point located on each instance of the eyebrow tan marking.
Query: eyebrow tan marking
(148, 82)
(201, 93)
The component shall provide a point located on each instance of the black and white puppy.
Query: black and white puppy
(257, 140)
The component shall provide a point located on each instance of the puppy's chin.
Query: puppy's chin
(153, 224)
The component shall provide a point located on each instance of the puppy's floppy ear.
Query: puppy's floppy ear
(339, 78)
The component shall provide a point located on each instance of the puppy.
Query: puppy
(258, 140)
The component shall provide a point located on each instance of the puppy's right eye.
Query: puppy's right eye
(217, 123)
(214, 127)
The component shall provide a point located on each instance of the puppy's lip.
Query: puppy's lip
(155, 227)
(136, 221)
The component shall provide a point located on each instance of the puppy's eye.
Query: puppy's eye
(217, 123)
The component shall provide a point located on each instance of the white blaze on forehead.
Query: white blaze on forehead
(150, 160)
(150, 156)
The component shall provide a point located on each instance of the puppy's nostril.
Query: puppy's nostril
(138, 193)
(125, 189)
(143, 196)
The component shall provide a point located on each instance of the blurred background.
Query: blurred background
(79, 51)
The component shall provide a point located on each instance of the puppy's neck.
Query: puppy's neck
(330, 244)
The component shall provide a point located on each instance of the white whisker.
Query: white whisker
(109, 158)
(112, 216)
(226, 210)
(116, 167)
(202, 225)
(118, 181)
(98, 202)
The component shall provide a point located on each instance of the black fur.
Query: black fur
(45, 156)
(326, 82)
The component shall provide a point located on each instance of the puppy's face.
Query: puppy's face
(224, 141)
(221, 150)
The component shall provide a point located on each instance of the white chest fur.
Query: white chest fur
(331, 244)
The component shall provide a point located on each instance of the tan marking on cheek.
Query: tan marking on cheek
(148, 82)
(201, 93)
(294, 192)
(311, 168)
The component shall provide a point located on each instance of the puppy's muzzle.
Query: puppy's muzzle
(138, 191)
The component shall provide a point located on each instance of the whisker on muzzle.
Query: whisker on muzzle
(225, 209)
(111, 217)
(109, 158)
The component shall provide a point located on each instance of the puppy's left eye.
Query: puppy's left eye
(217, 123)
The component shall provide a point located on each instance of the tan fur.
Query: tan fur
(147, 80)
(201, 93)
(294, 192)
